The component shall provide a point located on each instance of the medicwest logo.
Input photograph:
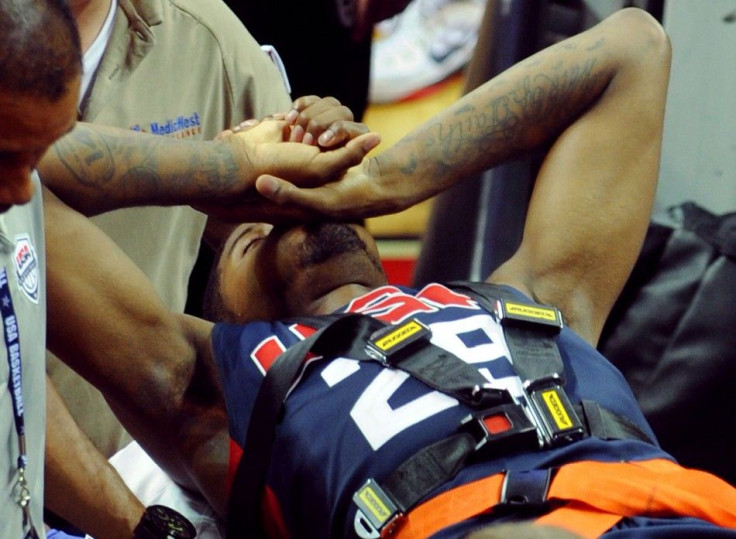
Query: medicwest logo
(179, 127)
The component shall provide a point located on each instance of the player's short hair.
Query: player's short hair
(41, 52)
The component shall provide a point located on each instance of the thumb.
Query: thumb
(271, 187)
(284, 193)
(279, 191)
(334, 162)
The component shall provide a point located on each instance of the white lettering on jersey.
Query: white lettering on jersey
(475, 339)
(379, 422)
(338, 370)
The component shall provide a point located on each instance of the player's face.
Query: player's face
(268, 273)
(28, 126)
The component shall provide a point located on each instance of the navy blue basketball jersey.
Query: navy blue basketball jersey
(346, 420)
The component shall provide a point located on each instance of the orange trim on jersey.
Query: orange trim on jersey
(272, 516)
(235, 454)
(601, 494)
(273, 519)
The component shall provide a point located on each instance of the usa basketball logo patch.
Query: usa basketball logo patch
(26, 267)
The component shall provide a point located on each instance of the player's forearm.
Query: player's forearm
(151, 365)
(81, 485)
(96, 169)
(522, 109)
(203, 439)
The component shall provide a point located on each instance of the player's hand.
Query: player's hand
(264, 149)
(313, 120)
(322, 121)
(360, 193)
(269, 149)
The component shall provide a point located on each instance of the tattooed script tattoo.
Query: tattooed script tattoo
(519, 110)
(123, 170)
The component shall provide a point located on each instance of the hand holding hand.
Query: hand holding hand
(264, 148)
(313, 120)
(361, 192)
(322, 121)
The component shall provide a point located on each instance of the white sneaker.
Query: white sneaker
(427, 42)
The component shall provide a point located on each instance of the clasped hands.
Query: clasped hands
(306, 164)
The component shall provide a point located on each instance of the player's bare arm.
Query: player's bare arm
(596, 100)
(109, 325)
(525, 108)
(96, 169)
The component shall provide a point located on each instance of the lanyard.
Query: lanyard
(12, 346)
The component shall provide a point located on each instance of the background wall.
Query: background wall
(699, 150)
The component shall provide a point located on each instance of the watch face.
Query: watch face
(169, 523)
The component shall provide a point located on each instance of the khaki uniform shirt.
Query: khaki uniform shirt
(177, 68)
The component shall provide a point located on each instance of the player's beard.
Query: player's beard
(325, 241)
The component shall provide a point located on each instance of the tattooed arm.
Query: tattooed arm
(522, 109)
(596, 101)
(96, 168)
(592, 200)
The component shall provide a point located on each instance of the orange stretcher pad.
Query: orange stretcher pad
(599, 494)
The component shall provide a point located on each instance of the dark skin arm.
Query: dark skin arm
(95, 168)
(594, 191)
(79, 483)
(150, 364)
(82, 487)
(597, 101)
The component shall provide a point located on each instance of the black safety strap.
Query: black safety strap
(349, 336)
(346, 336)
(243, 512)
(530, 329)
(537, 360)
(427, 469)
(534, 353)
(607, 425)
(438, 463)
(243, 518)
(406, 346)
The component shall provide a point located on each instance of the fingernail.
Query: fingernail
(292, 115)
(297, 133)
(370, 143)
(308, 139)
(326, 137)
(245, 124)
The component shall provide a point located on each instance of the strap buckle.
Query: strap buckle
(558, 422)
(525, 491)
(501, 429)
(389, 344)
(378, 514)
(520, 314)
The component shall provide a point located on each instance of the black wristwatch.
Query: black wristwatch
(161, 522)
